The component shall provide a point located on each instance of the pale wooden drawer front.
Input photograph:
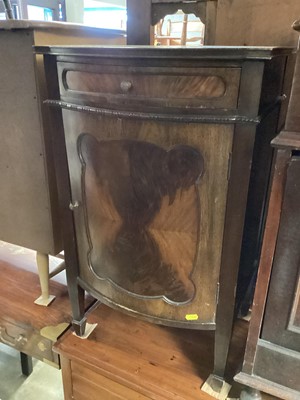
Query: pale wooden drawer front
(88, 385)
(28, 341)
(163, 87)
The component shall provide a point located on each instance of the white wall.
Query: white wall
(74, 11)
(114, 2)
(74, 8)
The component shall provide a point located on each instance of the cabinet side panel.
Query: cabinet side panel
(281, 324)
(25, 209)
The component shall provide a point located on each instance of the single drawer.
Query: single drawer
(186, 88)
(27, 340)
(87, 384)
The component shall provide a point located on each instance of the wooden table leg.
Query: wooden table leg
(42, 260)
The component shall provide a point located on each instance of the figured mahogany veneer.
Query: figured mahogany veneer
(142, 223)
(187, 230)
(155, 86)
(171, 86)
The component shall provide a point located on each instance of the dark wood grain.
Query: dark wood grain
(159, 184)
(285, 272)
(268, 248)
(293, 118)
(231, 54)
(272, 358)
(212, 185)
(154, 86)
(137, 194)
(63, 183)
(272, 83)
(138, 22)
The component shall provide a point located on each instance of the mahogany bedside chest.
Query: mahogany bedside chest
(159, 145)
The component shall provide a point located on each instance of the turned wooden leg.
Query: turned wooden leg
(250, 394)
(43, 269)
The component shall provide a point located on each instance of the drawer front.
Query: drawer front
(28, 341)
(187, 88)
(87, 385)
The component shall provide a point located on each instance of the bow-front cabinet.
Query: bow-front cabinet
(160, 145)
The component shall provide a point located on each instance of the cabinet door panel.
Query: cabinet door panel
(141, 212)
(152, 201)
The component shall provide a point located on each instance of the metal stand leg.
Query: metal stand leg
(250, 394)
(26, 364)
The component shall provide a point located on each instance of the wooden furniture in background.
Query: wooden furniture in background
(23, 326)
(256, 22)
(227, 22)
(181, 29)
(29, 212)
(272, 359)
(144, 14)
(159, 151)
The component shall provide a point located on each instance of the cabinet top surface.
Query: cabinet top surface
(204, 52)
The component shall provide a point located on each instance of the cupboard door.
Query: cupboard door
(282, 318)
(149, 226)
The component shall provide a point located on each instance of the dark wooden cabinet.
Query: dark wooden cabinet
(159, 147)
(142, 15)
(272, 360)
